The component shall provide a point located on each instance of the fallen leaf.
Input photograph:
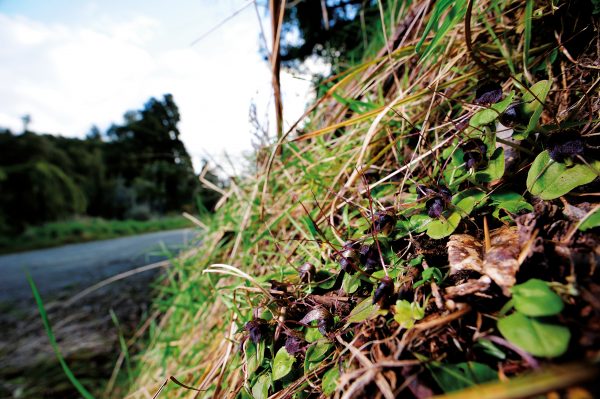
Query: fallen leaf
(464, 253)
(471, 286)
(500, 263)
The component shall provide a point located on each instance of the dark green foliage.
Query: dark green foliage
(331, 34)
(138, 170)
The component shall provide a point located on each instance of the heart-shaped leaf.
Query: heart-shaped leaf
(494, 169)
(535, 298)
(463, 204)
(477, 198)
(282, 364)
(510, 202)
(533, 105)
(419, 222)
(312, 334)
(535, 336)
(440, 228)
(549, 179)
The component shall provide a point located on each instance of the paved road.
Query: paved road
(76, 266)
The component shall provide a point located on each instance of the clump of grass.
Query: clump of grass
(453, 133)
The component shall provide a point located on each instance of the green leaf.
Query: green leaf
(419, 222)
(351, 283)
(330, 380)
(311, 227)
(325, 279)
(591, 220)
(502, 196)
(416, 261)
(282, 364)
(533, 105)
(255, 354)
(364, 310)
(315, 354)
(535, 336)
(312, 335)
(404, 314)
(494, 169)
(488, 115)
(440, 228)
(527, 32)
(455, 172)
(407, 313)
(510, 202)
(466, 205)
(534, 98)
(477, 199)
(260, 389)
(432, 272)
(549, 179)
(515, 206)
(245, 394)
(491, 349)
(455, 377)
(535, 298)
(418, 312)
(379, 274)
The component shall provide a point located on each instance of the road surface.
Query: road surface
(76, 266)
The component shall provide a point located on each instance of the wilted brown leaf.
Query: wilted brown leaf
(465, 253)
(471, 286)
(500, 263)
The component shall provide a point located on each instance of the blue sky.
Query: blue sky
(71, 65)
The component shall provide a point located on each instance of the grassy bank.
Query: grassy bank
(82, 230)
(423, 234)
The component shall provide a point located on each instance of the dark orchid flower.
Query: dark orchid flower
(475, 154)
(384, 291)
(487, 93)
(258, 329)
(565, 145)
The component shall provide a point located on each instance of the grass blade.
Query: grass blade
(40, 304)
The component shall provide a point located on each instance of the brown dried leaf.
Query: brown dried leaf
(464, 253)
(500, 263)
(471, 286)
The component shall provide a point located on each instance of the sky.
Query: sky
(75, 64)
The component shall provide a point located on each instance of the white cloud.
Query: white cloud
(71, 77)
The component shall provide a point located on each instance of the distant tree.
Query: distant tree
(26, 119)
(330, 29)
(138, 169)
(147, 148)
(94, 134)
